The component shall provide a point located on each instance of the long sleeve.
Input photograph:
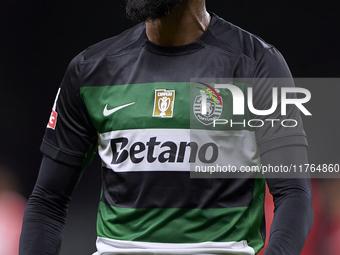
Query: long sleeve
(293, 215)
(46, 209)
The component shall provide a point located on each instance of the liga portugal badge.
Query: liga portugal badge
(53, 118)
(164, 103)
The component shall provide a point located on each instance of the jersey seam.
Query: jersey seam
(282, 136)
(172, 55)
(120, 49)
(80, 96)
(80, 76)
(233, 53)
(120, 53)
(263, 42)
(219, 39)
(225, 51)
(258, 61)
(63, 151)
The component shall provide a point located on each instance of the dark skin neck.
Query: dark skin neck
(184, 25)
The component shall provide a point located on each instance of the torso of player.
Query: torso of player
(149, 111)
(155, 124)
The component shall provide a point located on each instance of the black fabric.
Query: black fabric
(46, 210)
(271, 71)
(173, 190)
(59, 155)
(278, 142)
(293, 217)
(223, 51)
(72, 140)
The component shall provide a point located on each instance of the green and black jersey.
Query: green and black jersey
(134, 102)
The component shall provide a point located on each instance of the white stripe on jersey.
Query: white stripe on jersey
(236, 148)
(110, 247)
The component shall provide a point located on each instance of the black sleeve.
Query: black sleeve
(70, 136)
(69, 145)
(271, 71)
(293, 215)
(46, 210)
(278, 144)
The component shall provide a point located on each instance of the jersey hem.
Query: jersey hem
(112, 246)
(54, 153)
(283, 141)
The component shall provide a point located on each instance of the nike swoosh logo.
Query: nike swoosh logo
(107, 112)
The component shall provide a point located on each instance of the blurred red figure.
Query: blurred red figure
(12, 206)
(329, 230)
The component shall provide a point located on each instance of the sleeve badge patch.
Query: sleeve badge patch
(53, 118)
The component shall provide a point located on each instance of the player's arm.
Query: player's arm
(46, 209)
(279, 145)
(69, 145)
(293, 215)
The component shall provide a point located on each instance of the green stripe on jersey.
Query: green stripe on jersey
(139, 114)
(256, 215)
(174, 225)
(163, 225)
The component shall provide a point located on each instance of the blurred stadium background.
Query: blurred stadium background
(39, 38)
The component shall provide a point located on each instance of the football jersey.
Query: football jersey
(136, 103)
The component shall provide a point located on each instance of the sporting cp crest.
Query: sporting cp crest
(164, 103)
(207, 106)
